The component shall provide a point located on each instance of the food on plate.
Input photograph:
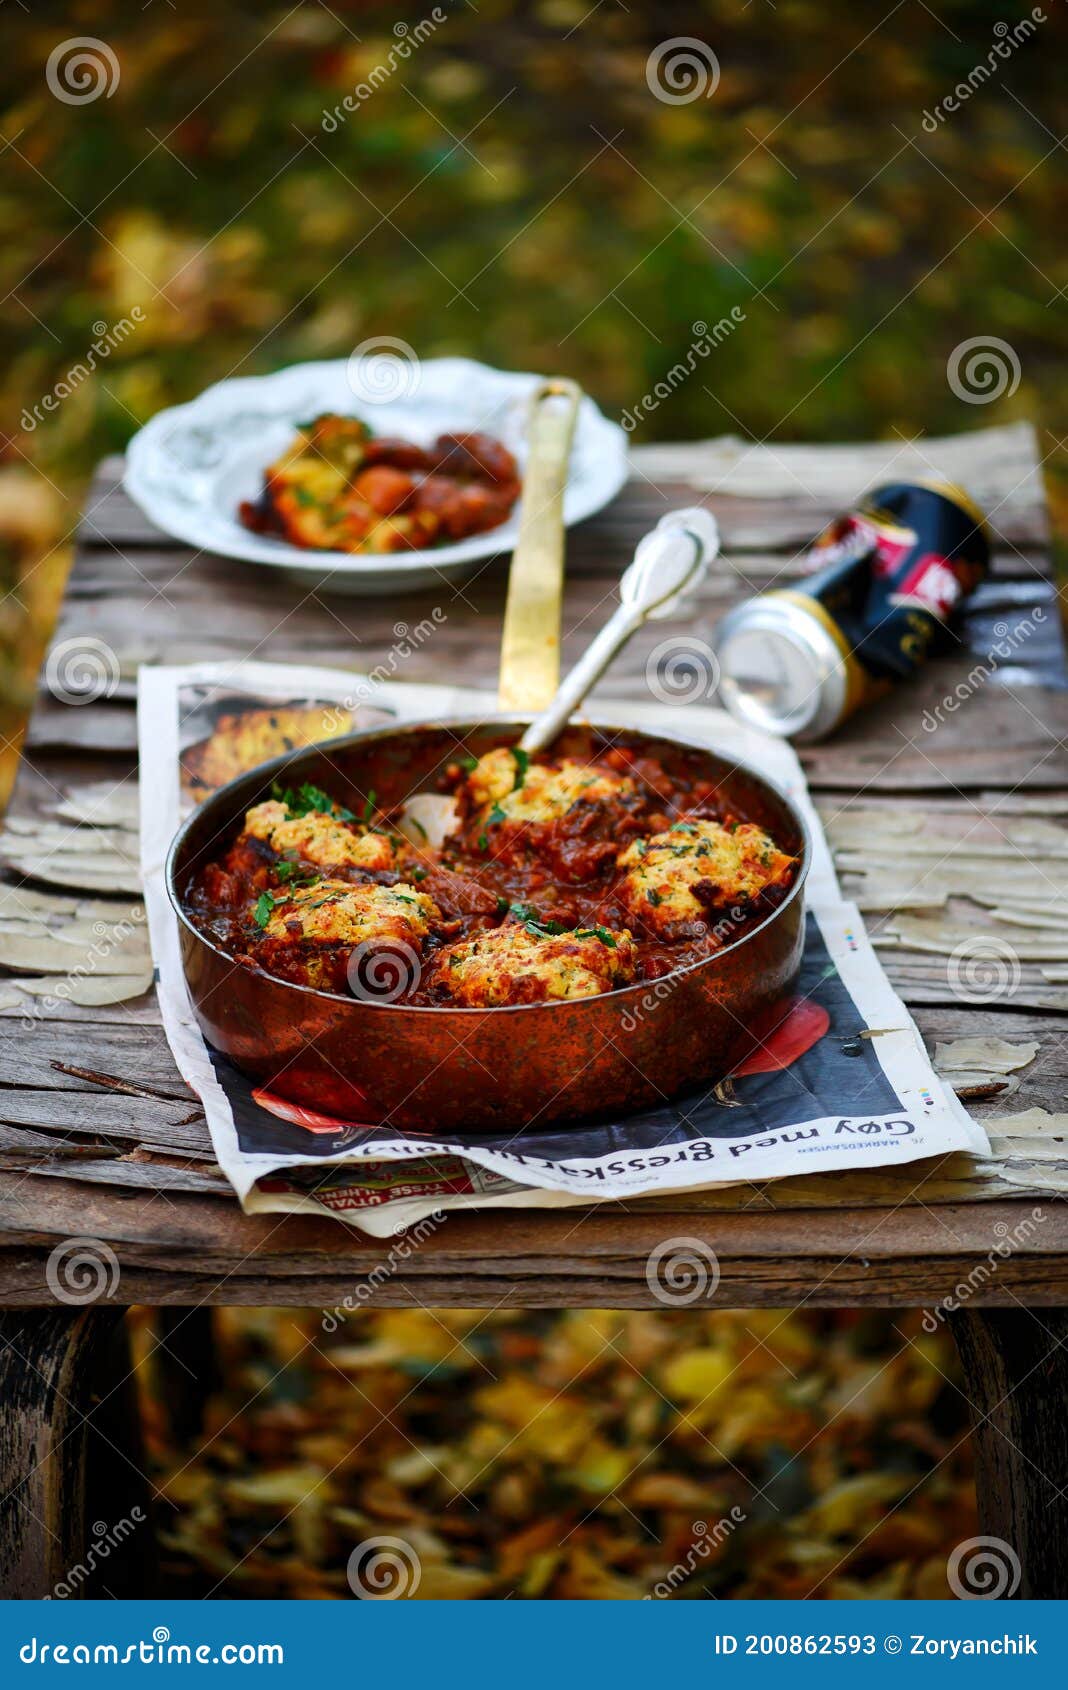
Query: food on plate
(562, 879)
(338, 488)
(243, 738)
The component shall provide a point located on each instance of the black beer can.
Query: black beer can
(879, 592)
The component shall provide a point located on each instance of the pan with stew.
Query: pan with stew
(606, 925)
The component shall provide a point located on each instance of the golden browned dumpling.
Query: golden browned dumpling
(319, 838)
(515, 790)
(310, 933)
(334, 912)
(677, 881)
(308, 482)
(514, 964)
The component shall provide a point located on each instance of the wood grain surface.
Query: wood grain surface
(100, 1136)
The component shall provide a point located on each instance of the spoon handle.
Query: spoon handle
(530, 641)
(668, 563)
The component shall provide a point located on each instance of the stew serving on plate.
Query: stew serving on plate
(338, 488)
(562, 878)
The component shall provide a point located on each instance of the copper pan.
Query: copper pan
(440, 1070)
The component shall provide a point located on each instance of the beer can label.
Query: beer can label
(891, 574)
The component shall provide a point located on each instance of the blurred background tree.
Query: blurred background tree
(512, 189)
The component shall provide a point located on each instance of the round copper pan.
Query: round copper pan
(437, 1069)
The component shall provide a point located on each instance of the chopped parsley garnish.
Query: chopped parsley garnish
(265, 903)
(522, 764)
(414, 822)
(683, 827)
(534, 924)
(369, 808)
(502, 903)
(308, 799)
(653, 896)
(466, 761)
(287, 871)
(496, 815)
(601, 933)
(418, 873)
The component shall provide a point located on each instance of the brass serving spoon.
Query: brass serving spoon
(668, 563)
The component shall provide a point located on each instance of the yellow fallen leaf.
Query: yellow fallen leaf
(696, 1375)
(443, 1583)
(285, 1487)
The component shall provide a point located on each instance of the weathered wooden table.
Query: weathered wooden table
(950, 829)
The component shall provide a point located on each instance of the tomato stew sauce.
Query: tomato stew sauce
(609, 845)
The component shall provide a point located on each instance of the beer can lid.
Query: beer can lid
(779, 670)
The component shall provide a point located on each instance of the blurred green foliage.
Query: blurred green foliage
(512, 189)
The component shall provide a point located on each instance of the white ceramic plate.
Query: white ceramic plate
(189, 468)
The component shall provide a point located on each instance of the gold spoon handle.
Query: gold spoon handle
(530, 643)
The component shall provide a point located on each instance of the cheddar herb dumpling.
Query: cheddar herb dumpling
(320, 838)
(515, 964)
(682, 877)
(507, 787)
(308, 935)
(334, 912)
